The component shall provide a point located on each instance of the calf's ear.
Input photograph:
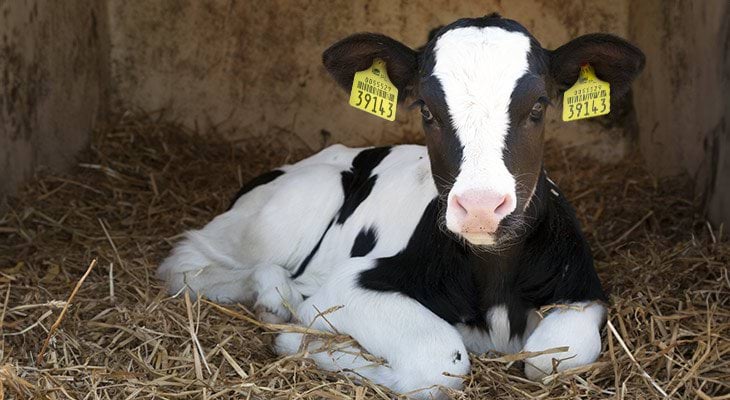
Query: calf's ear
(357, 52)
(615, 61)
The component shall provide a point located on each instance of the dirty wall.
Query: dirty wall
(53, 83)
(251, 69)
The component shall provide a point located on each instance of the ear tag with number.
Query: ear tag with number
(373, 92)
(589, 97)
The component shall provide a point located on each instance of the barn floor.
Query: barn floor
(144, 182)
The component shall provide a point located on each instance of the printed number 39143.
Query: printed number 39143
(368, 98)
(579, 107)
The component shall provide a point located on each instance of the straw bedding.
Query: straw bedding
(145, 181)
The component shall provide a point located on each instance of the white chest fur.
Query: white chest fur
(497, 337)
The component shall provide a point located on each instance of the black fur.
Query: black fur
(615, 61)
(308, 258)
(262, 179)
(357, 183)
(364, 242)
(460, 285)
(433, 269)
(445, 151)
(357, 52)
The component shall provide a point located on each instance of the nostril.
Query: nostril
(504, 207)
(458, 207)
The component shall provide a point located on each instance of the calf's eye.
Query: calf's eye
(426, 113)
(537, 111)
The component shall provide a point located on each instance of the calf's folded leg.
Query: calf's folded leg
(576, 326)
(421, 350)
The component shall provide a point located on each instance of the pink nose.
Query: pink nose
(480, 210)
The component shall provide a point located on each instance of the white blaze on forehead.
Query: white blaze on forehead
(478, 69)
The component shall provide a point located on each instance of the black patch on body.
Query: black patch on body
(262, 179)
(433, 269)
(364, 242)
(460, 285)
(556, 260)
(308, 258)
(357, 183)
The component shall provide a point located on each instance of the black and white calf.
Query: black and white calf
(433, 251)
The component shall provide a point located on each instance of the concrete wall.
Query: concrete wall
(253, 69)
(248, 71)
(682, 97)
(256, 70)
(718, 187)
(53, 79)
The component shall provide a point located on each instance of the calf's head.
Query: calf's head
(483, 86)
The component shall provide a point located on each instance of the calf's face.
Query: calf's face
(483, 94)
(483, 86)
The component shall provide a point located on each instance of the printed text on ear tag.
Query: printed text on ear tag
(589, 97)
(373, 92)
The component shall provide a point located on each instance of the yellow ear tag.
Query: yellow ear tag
(589, 97)
(373, 92)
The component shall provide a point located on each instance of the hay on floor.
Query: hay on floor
(144, 181)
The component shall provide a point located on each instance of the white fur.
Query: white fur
(498, 337)
(275, 226)
(403, 190)
(499, 331)
(418, 346)
(579, 329)
(275, 293)
(478, 69)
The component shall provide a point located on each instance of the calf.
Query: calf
(432, 251)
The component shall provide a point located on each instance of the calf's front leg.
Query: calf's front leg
(576, 326)
(421, 350)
